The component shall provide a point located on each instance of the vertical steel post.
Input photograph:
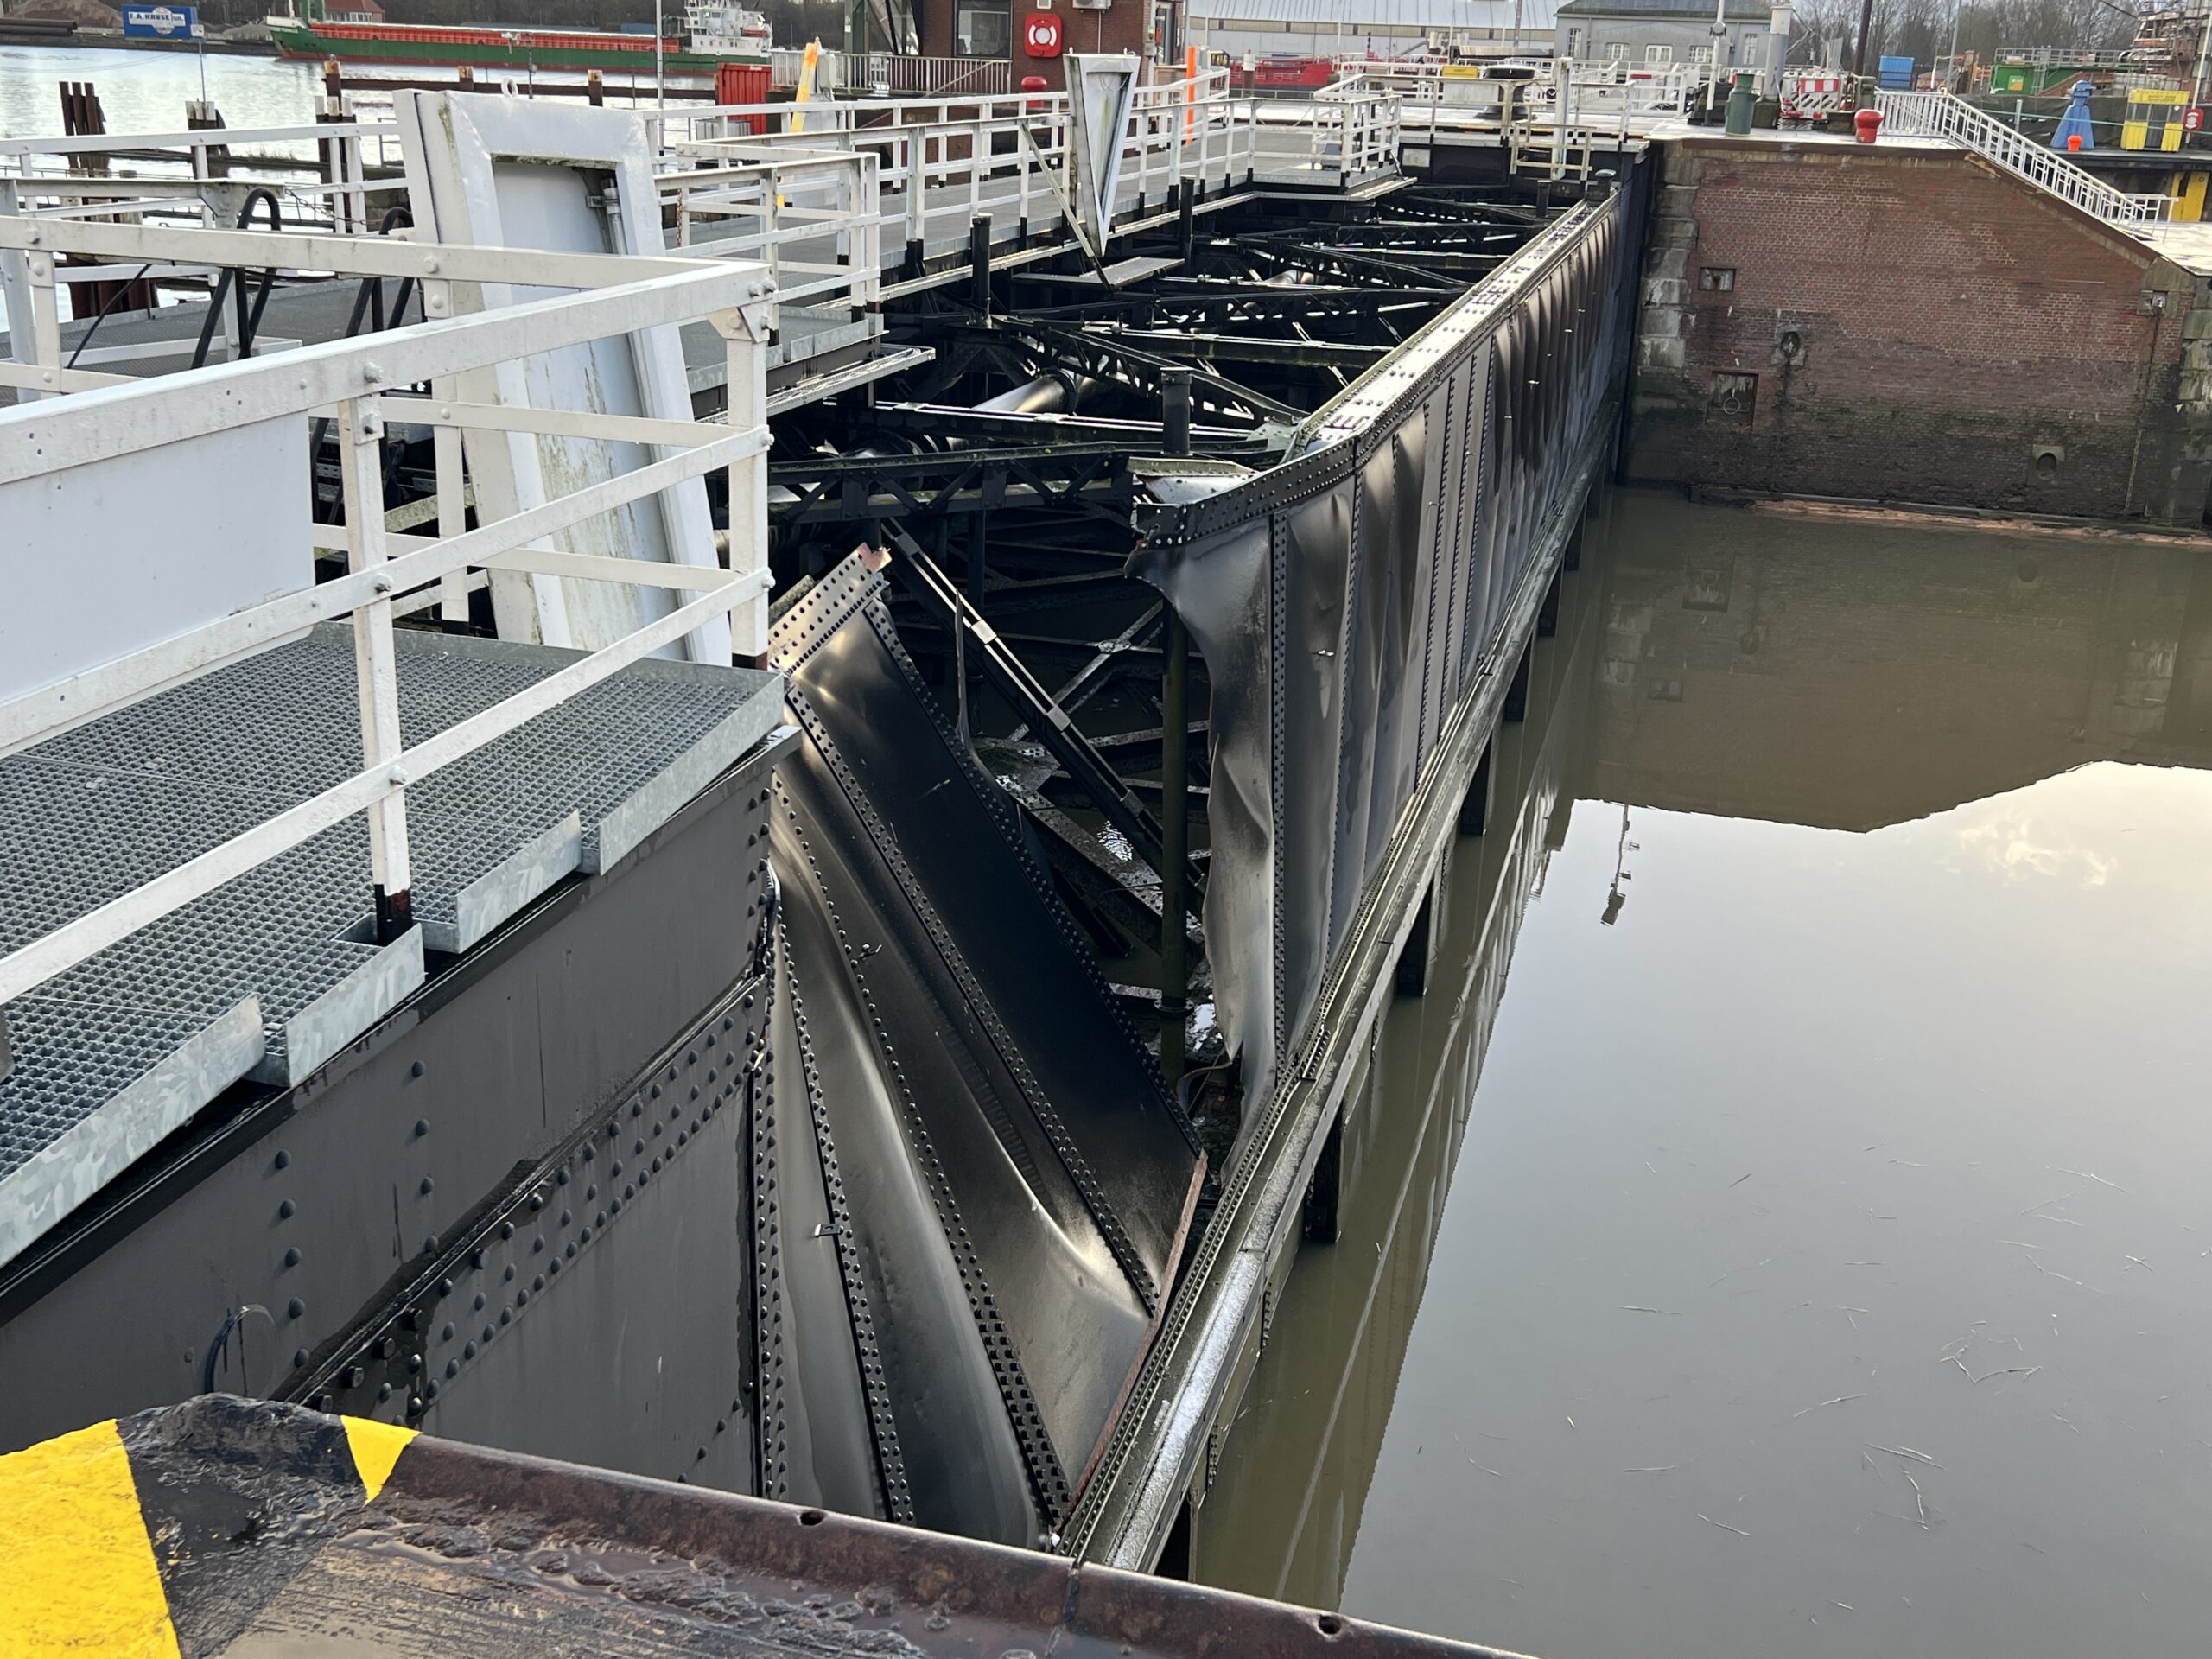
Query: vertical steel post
(446, 453)
(745, 366)
(1174, 770)
(979, 262)
(361, 459)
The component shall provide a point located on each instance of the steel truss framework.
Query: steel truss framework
(1016, 463)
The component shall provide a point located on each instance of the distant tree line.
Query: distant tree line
(1921, 29)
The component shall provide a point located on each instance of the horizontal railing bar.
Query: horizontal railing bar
(25, 969)
(350, 256)
(40, 438)
(550, 422)
(81, 696)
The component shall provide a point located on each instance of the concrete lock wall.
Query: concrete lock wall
(1906, 323)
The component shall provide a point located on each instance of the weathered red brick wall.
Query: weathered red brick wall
(1906, 323)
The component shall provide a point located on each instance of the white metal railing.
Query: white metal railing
(814, 219)
(940, 161)
(1941, 115)
(1598, 91)
(1352, 129)
(786, 62)
(831, 194)
(364, 384)
(320, 173)
(892, 73)
(2102, 56)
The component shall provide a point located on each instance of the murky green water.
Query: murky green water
(1784, 1228)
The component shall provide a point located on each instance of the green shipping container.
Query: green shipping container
(2027, 79)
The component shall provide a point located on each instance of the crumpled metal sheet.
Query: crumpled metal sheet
(976, 1182)
(1345, 602)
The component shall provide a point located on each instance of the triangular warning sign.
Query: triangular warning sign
(1101, 89)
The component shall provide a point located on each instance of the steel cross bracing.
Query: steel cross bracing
(1015, 463)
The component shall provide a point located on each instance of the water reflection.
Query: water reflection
(1803, 1254)
(146, 91)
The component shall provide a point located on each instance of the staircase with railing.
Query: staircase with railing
(1941, 115)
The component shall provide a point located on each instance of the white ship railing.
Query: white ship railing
(1941, 115)
(362, 384)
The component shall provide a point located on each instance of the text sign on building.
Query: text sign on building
(162, 22)
(1040, 35)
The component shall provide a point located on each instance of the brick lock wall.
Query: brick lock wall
(1122, 26)
(1908, 324)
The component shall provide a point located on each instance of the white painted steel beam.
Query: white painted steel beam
(40, 439)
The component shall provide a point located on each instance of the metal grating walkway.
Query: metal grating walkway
(271, 976)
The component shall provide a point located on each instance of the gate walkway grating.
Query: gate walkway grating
(272, 974)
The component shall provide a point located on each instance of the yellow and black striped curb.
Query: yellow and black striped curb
(226, 1529)
(104, 1533)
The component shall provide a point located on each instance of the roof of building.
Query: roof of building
(1350, 16)
(1740, 11)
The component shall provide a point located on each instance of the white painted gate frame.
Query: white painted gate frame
(453, 144)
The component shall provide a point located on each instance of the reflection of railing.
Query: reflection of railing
(890, 74)
(1939, 115)
(196, 420)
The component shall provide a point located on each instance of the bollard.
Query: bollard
(979, 263)
(1742, 103)
(1866, 124)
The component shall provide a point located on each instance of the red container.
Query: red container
(1868, 122)
(743, 83)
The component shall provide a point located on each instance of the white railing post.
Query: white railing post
(917, 148)
(746, 368)
(46, 320)
(361, 459)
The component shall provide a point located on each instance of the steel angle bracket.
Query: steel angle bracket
(918, 575)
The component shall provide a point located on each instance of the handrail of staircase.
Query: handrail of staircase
(1944, 115)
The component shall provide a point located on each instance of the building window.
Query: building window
(1735, 398)
(1702, 55)
(1617, 53)
(1658, 54)
(1717, 279)
(1750, 53)
(1573, 43)
(980, 28)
